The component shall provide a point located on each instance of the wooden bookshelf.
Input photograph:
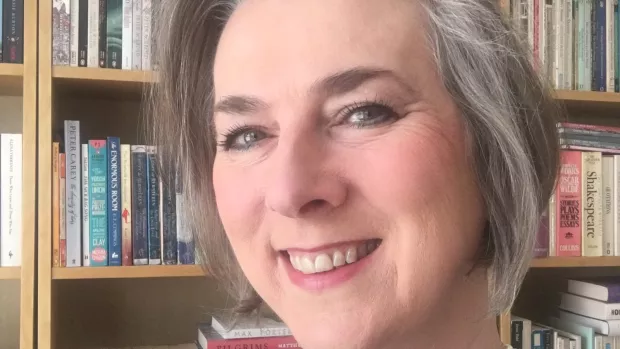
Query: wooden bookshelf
(575, 262)
(129, 272)
(101, 82)
(10, 273)
(11, 79)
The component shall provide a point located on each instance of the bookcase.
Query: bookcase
(18, 91)
(102, 307)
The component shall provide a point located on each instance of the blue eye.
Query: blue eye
(240, 138)
(368, 115)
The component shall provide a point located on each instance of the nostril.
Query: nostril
(313, 205)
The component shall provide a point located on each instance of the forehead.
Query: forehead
(269, 44)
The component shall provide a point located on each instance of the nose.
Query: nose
(303, 180)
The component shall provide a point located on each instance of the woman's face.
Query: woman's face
(342, 175)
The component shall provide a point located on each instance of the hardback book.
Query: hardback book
(98, 221)
(568, 205)
(604, 289)
(85, 209)
(608, 328)
(589, 307)
(114, 202)
(592, 204)
(73, 190)
(139, 194)
(11, 200)
(248, 327)
(126, 204)
(208, 338)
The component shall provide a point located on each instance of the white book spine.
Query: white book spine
(588, 45)
(530, 24)
(568, 44)
(589, 307)
(146, 34)
(609, 206)
(552, 227)
(73, 188)
(126, 204)
(127, 34)
(616, 199)
(93, 34)
(75, 19)
(542, 35)
(558, 49)
(609, 45)
(592, 199)
(85, 209)
(10, 200)
(136, 60)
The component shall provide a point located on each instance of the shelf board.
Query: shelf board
(11, 79)
(575, 262)
(130, 272)
(100, 82)
(10, 273)
(587, 96)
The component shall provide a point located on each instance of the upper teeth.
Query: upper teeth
(326, 261)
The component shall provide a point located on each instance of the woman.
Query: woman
(373, 171)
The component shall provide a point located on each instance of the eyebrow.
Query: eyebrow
(336, 84)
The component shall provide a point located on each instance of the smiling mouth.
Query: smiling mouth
(333, 258)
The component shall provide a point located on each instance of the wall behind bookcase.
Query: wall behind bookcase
(10, 122)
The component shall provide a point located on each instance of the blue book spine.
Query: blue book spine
(139, 240)
(154, 222)
(97, 169)
(114, 202)
(538, 338)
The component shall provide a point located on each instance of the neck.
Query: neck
(461, 322)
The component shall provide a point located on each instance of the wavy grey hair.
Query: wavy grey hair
(509, 113)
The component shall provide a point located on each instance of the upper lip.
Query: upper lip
(327, 246)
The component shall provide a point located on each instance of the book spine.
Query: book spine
(103, 33)
(114, 202)
(154, 21)
(169, 224)
(82, 36)
(126, 203)
(600, 81)
(588, 53)
(568, 205)
(138, 205)
(13, 31)
(541, 248)
(592, 215)
(2, 29)
(73, 33)
(85, 208)
(154, 239)
(609, 47)
(62, 218)
(146, 34)
(136, 49)
(11, 200)
(114, 42)
(59, 18)
(568, 44)
(609, 205)
(93, 33)
(266, 342)
(97, 163)
(616, 199)
(127, 34)
(185, 239)
(73, 194)
(552, 224)
(616, 48)
(55, 205)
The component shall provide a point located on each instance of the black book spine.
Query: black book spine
(103, 33)
(138, 205)
(13, 21)
(83, 34)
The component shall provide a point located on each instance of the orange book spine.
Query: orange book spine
(569, 205)
(63, 228)
(55, 206)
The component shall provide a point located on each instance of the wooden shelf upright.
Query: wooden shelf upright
(18, 82)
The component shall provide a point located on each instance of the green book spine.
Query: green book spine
(97, 169)
(115, 33)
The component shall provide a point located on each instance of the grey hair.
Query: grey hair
(507, 107)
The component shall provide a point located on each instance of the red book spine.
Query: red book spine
(569, 205)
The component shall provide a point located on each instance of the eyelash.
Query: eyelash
(230, 135)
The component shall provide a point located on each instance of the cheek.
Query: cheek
(421, 179)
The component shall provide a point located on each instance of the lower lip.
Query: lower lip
(325, 280)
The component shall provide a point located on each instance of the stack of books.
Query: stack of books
(588, 316)
(247, 332)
